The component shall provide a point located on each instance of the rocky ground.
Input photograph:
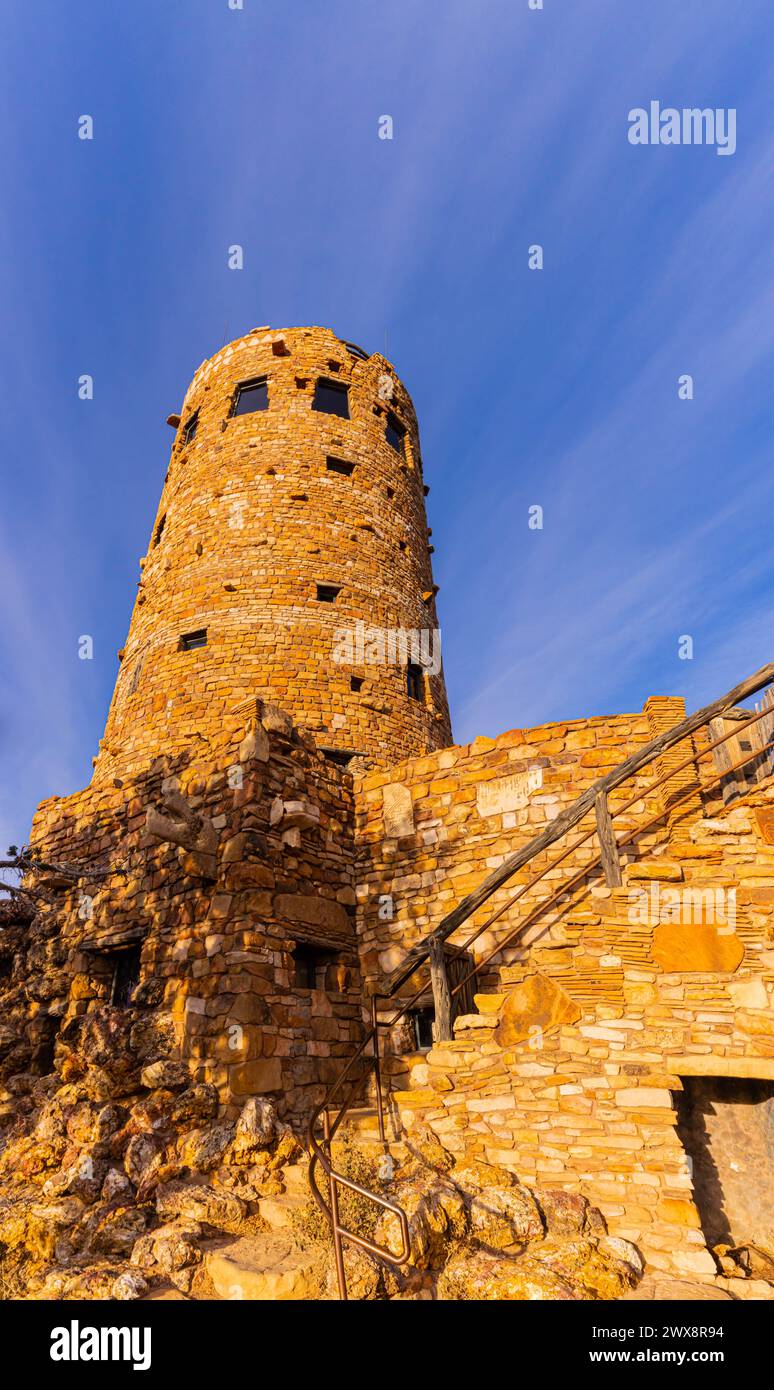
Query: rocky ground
(119, 1181)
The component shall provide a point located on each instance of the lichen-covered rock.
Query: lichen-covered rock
(500, 1214)
(169, 1247)
(143, 1156)
(203, 1149)
(196, 1202)
(256, 1129)
(622, 1250)
(129, 1285)
(364, 1274)
(569, 1213)
(166, 1075)
(436, 1218)
(556, 1270)
(477, 1275)
(426, 1150)
(195, 1105)
(117, 1187)
(83, 1178)
(113, 1231)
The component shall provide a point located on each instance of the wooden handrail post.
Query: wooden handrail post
(608, 849)
(441, 993)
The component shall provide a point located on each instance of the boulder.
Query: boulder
(195, 1105)
(165, 1075)
(436, 1218)
(203, 1149)
(129, 1285)
(195, 1202)
(482, 1277)
(143, 1156)
(256, 1129)
(569, 1214)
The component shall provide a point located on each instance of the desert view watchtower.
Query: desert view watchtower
(292, 515)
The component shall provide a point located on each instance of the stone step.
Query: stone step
(396, 1148)
(364, 1130)
(266, 1267)
(296, 1179)
(278, 1212)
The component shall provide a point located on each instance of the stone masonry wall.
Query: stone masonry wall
(430, 829)
(570, 1076)
(251, 520)
(219, 905)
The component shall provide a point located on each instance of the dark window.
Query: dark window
(402, 545)
(356, 683)
(415, 681)
(422, 1022)
(339, 756)
(160, 530)
(340, 466)
(190, 427)
(331, 397)
(191, 640)
(126, 974)
(45, 1051)
(250, 396)
(394, 432)
(328, 593)
(311, 964)
(391, 493)
(355, 351)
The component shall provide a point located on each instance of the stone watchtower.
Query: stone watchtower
(289, 560)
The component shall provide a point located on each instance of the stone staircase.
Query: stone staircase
(654, 993)
(706, 853)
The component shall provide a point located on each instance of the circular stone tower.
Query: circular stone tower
(289, 559)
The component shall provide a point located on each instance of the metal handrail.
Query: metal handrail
(321, 1152)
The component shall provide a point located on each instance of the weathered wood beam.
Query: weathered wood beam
(608, 849)
(571, 816)
(441, 992)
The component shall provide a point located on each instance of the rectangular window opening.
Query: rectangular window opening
(342, 757)
(422, 1021)
(311, 965)
(356, 683)
(251, 396)
(190, 427)
(395, 433)
(415, 682)
(340, 466)
(125, 977)
(191, 640)
(328, 593)
(331, 397)
(160, 530)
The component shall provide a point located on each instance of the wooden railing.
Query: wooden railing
(432, 948)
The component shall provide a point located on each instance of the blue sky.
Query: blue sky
(556, 388)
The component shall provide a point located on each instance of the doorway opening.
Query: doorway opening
(726, 1125)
